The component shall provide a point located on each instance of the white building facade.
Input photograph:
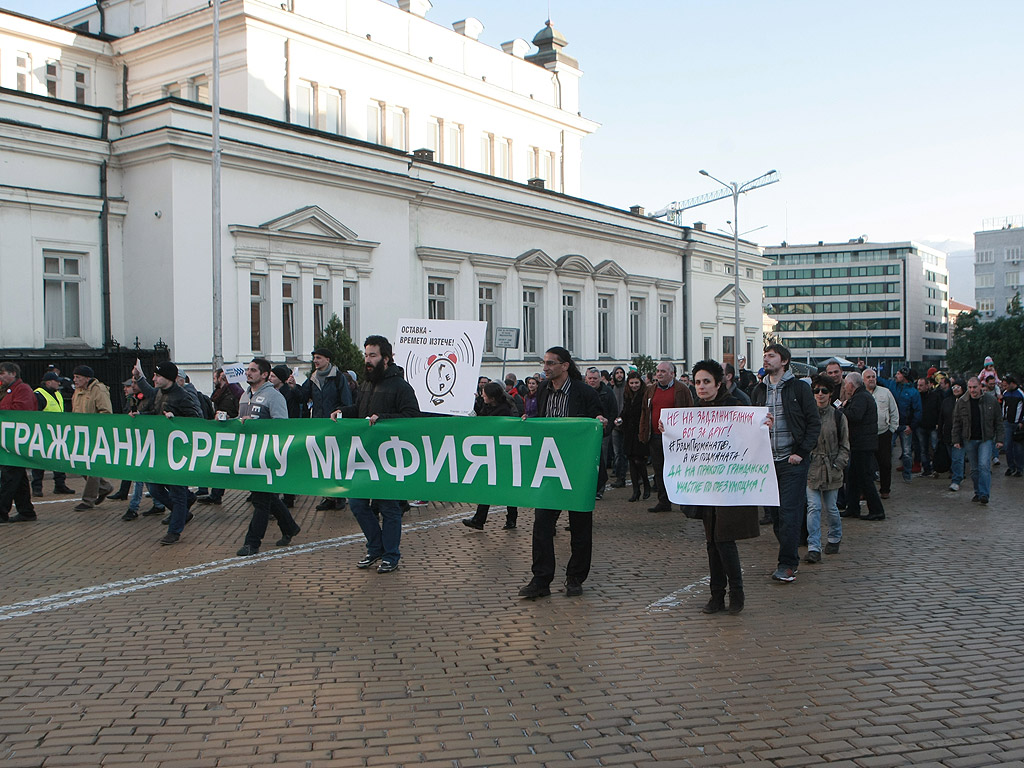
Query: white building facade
(105, 202)
(884, 302)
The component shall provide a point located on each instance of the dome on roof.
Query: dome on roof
(549, 36)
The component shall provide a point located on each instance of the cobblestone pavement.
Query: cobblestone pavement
(903, 649)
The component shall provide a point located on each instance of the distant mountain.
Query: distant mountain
(960, 262)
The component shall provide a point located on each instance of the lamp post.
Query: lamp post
(736, 190)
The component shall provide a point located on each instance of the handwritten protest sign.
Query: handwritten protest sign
(441, 359)
(719, 457)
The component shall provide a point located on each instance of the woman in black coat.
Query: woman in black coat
(722, 525)
(629, 422)
(496, 402)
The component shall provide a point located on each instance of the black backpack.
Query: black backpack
(206, 405)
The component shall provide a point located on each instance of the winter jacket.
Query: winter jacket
(888, 411)
(862, 420)
(226, 399)
(908, 401)
(94, 397)
(631, 414)
(724, 523)
(801, 413)
(683, 399)
(174, 400)
(506, 408)
(264, 402)
(931, 405)
(327, 397)
(583, 401)
(391, 398)
(991, 419)
(946, 420)
(832, 453)
(609, 408)
(18, 397)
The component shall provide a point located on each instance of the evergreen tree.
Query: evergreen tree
(1001, 339)
(644, 365)
(344, 353)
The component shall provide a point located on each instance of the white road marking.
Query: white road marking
(114, 588)
(675, 599)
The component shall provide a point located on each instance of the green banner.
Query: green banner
(548, 463)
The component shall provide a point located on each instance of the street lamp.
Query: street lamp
(736, 190)
(867, 326)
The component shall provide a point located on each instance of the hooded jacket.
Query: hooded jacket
(390, 398)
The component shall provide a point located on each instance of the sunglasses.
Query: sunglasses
(822, 391)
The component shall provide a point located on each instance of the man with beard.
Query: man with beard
(326, 390)
(262, 401)
(619, 463)
(384, 394)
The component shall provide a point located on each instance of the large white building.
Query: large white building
(997, 266)
(885, 302)
(105, 190)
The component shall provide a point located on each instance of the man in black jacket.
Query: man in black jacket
(326, 390)
(862, 417)
(563, 394)
(166, 398)
(927, 431)
(794, 427)
(384, 394)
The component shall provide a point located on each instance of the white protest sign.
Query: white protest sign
(719, 457)
(235, 373)
(441, 359)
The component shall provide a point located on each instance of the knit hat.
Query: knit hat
(282, 372)
(167, 370)
(988, 361)
(84, 370)
(932, 371)
(323, 352)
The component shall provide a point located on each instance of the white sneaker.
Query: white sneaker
(954, 486)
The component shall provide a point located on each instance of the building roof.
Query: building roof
(956, 306)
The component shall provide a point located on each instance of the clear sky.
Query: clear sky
(895, 120)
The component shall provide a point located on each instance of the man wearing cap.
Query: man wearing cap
(326, 390)
(166, 397)
(50, 400)
(91, 396)
(262, 401)
(15, 395)
(908, 401)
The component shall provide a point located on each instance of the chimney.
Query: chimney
(415, 7)
(518, 48)
(423, 154)
(700, 226)
(470, 28)
(536, 183)
(821, 242)
(636, 210)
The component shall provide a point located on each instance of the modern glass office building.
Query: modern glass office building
(882, 302)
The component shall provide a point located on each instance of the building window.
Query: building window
(636, 325)
(505, 160)
(1013, 255)
(173, 90)
(374, 122)
(533, 162)
(604, 324)
(348, 305)
(62, 295)
(396, 136)
(986, 305)
(549, 169)
(750, 273)
(305, 104)
(319, 307)
(531, 306)
(985, 280)
(52, 74)
(200, 87)
(288, 291)
(728, 345)
(487, 154)
(707, 348)
(665, 328)
(1011, 279)
(984, 257)
(453, 145)
(750, 353)
(333, 111)
(570, 303)
(23, 66)
(257, 296)
(488, 299)
(707, 265)
(438, 295)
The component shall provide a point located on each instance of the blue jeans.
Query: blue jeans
(957, 469)
(175, 497)
(787, 517)
(1014, 450)
(979, 453)
(382, 538)
(816, 500)
(928, 439)
(907, 444)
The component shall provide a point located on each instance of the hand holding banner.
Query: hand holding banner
(719, 457)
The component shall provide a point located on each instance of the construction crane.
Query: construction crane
(673, 212)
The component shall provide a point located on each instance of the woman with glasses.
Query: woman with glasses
(825, 474)
(723, 526)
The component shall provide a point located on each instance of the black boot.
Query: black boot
(735, 601)
(634, 477)
(647, 484)
(714, 605)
